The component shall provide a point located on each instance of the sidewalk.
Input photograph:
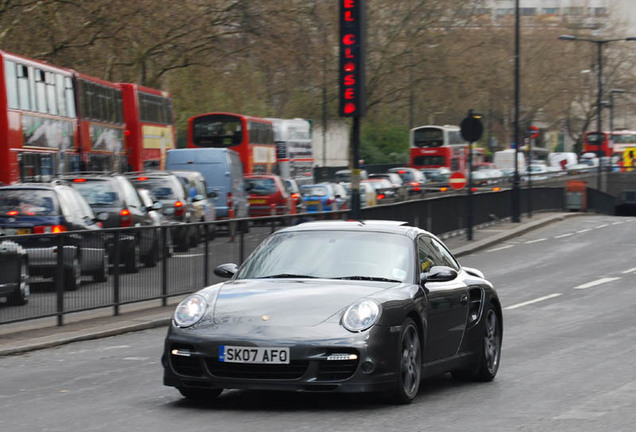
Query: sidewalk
(30, 336)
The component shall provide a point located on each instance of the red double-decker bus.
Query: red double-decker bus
(101, 126)
(38, 120)
(150, 126)
(441, 146)
(251, 137)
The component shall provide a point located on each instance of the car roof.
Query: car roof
(34, 185)
(388, 226)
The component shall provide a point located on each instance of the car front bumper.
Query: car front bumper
(318, 362)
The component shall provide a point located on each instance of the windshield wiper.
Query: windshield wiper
(288, 275)
(369, 278)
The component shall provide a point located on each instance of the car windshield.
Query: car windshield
(98, 192)
(28, 202)
(261, 186)
(332, 255)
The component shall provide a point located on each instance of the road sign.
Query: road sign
(457, 180)
(471, 127)
(533, 131)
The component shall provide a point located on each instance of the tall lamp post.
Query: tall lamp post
(611, 119)
(599, 118)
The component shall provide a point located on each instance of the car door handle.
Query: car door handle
(464, 299)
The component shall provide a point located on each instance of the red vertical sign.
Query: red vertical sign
(351, 77)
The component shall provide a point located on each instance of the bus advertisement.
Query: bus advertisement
(251, 137)
(441, 146)
(294, 150)
(38, 122)
(56, 120)
(150, 126)
(100, 124)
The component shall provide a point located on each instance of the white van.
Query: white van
(562, 160)
(504, 160)
(223, 172)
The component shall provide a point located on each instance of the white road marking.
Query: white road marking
(187, 255)
(564, 235)
(500, 248)
(535, 241)
(617, 223)
(601, 226)
(529, 302)
(596, 282)
(584, 230)
(631, 270)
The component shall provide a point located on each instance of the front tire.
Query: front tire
(200, 394)
(409, 372)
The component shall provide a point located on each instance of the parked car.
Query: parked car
(267, 194)
(393, 177)
(384, 189)
(414, 179)
(177, 207)
(320, 197)
(438, 175)
(114, 197)
(292, 188)
(154, 207)
(339, 307)
(14, 273)
(201, 199)
(52, 208)
(345, 175)
(368, 197)
(223, 172)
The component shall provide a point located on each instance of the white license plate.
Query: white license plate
(257, 355)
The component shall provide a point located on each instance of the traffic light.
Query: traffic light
(351, 78)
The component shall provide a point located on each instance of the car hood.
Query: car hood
(288, 302)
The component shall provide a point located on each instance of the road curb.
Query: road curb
(522, 229)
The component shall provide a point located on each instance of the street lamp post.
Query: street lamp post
(611, 119)
(599, 118)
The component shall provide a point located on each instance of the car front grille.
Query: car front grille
(292, 371)
(336, 370)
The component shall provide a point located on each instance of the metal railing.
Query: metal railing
(171, 274)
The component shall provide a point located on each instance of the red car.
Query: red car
(267, 195)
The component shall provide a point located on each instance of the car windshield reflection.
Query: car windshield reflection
(332, 255)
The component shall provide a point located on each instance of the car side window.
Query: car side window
(432, 253)
(132, 198)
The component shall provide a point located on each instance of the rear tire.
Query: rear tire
(133, 260)
(73, 275)
(101, 274)
(21, 296)
(487, 363)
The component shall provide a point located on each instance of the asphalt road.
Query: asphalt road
(567, 363)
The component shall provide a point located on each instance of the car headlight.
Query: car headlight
(361, 315)
(190, 311)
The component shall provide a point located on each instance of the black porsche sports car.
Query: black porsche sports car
(335, 306)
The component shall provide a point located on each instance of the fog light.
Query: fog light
(367, 367)
(182, 353)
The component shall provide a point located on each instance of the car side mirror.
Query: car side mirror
(157, 205)
(226, 270)
(199, 197)
(439, 274)
(212, 194)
